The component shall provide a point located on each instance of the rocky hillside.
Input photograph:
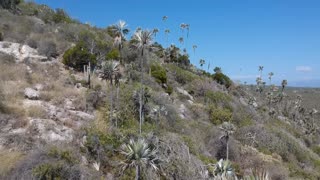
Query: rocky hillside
(81, 102)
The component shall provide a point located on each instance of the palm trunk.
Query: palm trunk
(227, 150)
(117, 105)
(111, 103)
(138, 172)
(141, 94)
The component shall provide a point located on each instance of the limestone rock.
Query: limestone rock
(31, 94)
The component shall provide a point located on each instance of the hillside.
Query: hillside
(81, 102)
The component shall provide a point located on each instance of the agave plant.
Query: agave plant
(258, 174)
(139, 154)
(223, 169)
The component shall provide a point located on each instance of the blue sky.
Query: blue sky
(236, 35)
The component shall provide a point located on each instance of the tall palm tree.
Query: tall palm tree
(260, 70)
(284, 83)
(228, 129)
(164, 18)
(270, 76)
(202, 62)
(110, 71)
(142, 41)
(188, 29)
(181, 40)
(155, 31)
(194, 47)
(182, 27)
(120, 29)
(139, 154)
(167, 32)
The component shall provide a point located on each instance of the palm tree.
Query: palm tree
(194, 47)
(181, 40)
(142, 41)
(228, 129)
(155, 31)
(284, 83)
(270, 76)
(202, 62)
(182, 27)
(166, 32)
(120, 29)
(164, 18)
(139, 154)
(188, 29)
(110, 71)
(260, 70)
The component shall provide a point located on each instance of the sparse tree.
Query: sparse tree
(167, 32)
(217, 70)
(181, 40)
(260, 70)
(284, 83)
(202, 62)
(120, 30)
(194, 47)
(139, 154)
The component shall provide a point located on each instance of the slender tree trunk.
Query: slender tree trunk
(117, 104)
(138, 172)
(111, 103)
(141, 94)
(227, 150)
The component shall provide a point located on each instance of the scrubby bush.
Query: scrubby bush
(222, 79)
(113, 55)
(61, 16)
(48, 48)
(219, 115)
(217, 97)
(9, 4)
(181, 76)
(78, 56)
(159, 73)
(169, 89)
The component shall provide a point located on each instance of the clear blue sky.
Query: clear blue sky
(237, 35)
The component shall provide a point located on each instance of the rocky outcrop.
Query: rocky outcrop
(21, 52)
(31, 94)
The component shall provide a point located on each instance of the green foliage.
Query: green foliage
(114, 54)
(190, 144)
(159, 73)
(222, 79)
(316, 149)
(78, 56)
(49, 171)
(218, 115)
(61, 16)
(181, 76)
(169, 89)
(217, 97)
(9, 4)
(183, 60)
(64, 155)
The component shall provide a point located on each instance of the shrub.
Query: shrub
(1, 36)
(114, 54)
(159, 73)
(219, 115)
(222, 79)
(32, 43)
(169, 89)
(61, 16)
(217, 97)
(78, 56)
(48, 48)
(182, 76)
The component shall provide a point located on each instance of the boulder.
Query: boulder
(184, 92)
(21, 52)
(31, 94)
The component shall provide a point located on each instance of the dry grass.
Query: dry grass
(36, 112)
(8, 161)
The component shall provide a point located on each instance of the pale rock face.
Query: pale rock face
(184, 92)
(21, 52)
(31, 94)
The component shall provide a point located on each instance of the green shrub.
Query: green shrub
(78, 56)
(48, 48)
(222, 79)
(217, 97)
(159, 73)
(64, 155)
(316, 149)
(114, 54)
(169, 89)
(61, 16)
(219, 115)
(181, 76)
